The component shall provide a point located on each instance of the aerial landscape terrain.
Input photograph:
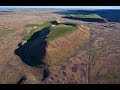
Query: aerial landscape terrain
(57, 46)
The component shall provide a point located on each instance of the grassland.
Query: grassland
(56, 31)
(86, 17)
(67, 46)
(5, 31)
(60, 30)
(34, 30)
(62, 34)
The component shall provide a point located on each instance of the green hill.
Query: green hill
(56, 30)
(86, 17)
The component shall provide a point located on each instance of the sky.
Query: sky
(68, 7)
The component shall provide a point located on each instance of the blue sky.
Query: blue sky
(69, 7)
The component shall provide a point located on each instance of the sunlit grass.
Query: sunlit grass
(34, 30)
(56, 31)
(60, 30)
(5, 31)
(87, 17)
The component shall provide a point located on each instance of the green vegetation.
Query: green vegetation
(32, 25)
(60, 30)
(61, 53)
(56, 31)
(39, 27)
(66, 47)
(86, 17)
(5, 31)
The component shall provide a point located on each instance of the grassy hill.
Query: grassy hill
(34, 30)
(56, 30)
(86, 17)
(60, 30)
(64, 40)
(63, 48)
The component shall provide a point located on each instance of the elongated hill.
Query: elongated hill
(64, 40)
(86, 17)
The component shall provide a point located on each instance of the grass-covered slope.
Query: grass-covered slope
(64, 41)
(60, 30)
(86, 17)
(34, 30)
(56, 30)
(65, 47)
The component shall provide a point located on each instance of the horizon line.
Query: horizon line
(61, 7)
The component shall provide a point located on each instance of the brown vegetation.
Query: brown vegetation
(67, 56)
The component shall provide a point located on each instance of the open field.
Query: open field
(74, 51)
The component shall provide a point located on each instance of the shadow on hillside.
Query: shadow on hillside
(86, 19)
(33, 51)
(109, 15)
